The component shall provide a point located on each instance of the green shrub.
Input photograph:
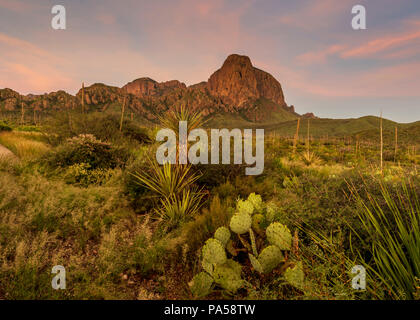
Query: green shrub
(104, 126)
(4, 127)
(82, 174)
(85, 148)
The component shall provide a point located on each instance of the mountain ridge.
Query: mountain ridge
(237, 88)
(237, 94)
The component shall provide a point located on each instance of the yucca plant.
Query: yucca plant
(174, 183)
(394, 229)
(171, 119)
(166, 180)
(175, 209)
(309, 157)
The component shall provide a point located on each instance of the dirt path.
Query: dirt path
(4, 152)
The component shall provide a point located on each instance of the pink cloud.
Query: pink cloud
(29, 68)
(392, 81)
(316, 14)
(317, 57)
(382, 44)
(395, 46)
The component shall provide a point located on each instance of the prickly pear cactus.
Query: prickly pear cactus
(256, 201)
(253, 242)
(228, 276)
(270, 258)
(257, 220)
(295, 276)
(245, 207)
(240, 223)
(213, 253)
(279, 235)
(201, 284)
(256, 263)
(251, 217)
(223, 235)
(271, 212)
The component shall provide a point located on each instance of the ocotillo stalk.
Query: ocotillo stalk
(22, 119)
(396, 144)
(122, 112)
(307, 146)
(296, 136)
(382, 146)
(83, 97)
(357, 147)
(34, 116)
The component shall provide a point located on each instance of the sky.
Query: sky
(324, 66)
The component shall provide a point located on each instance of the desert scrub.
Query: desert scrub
(37, 204)
(104, 126)
(45, 223)
(83, 175)
(85, 148)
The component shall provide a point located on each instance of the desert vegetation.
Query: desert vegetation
(83, 190)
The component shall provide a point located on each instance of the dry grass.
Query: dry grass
(23, 144)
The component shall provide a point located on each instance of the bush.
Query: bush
(85, 148)
(105, 127)
(4, 127)
(83, 175)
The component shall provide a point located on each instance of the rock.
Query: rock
(309, 115)
(144, 87)
(238, 83)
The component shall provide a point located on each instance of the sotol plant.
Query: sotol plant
(256, 232)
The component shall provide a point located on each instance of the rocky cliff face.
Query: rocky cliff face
(12, 101)
(144, 87)
(238, 83)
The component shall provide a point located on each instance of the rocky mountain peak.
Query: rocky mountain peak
(239, 83)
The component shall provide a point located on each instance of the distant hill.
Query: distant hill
(365, 128)
(407, 134)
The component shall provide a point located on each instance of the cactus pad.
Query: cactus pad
(279, 235)
(295, 276)
(213, 253)
(240, 223)
(245, 207)
(223, 235)
(270, 258)
(201, 284)
(228, 276)
(256, 264)
(256, 201)
(271, 212)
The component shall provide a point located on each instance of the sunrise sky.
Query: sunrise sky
(324, 65)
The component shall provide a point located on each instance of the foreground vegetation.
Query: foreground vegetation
(82, 192)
